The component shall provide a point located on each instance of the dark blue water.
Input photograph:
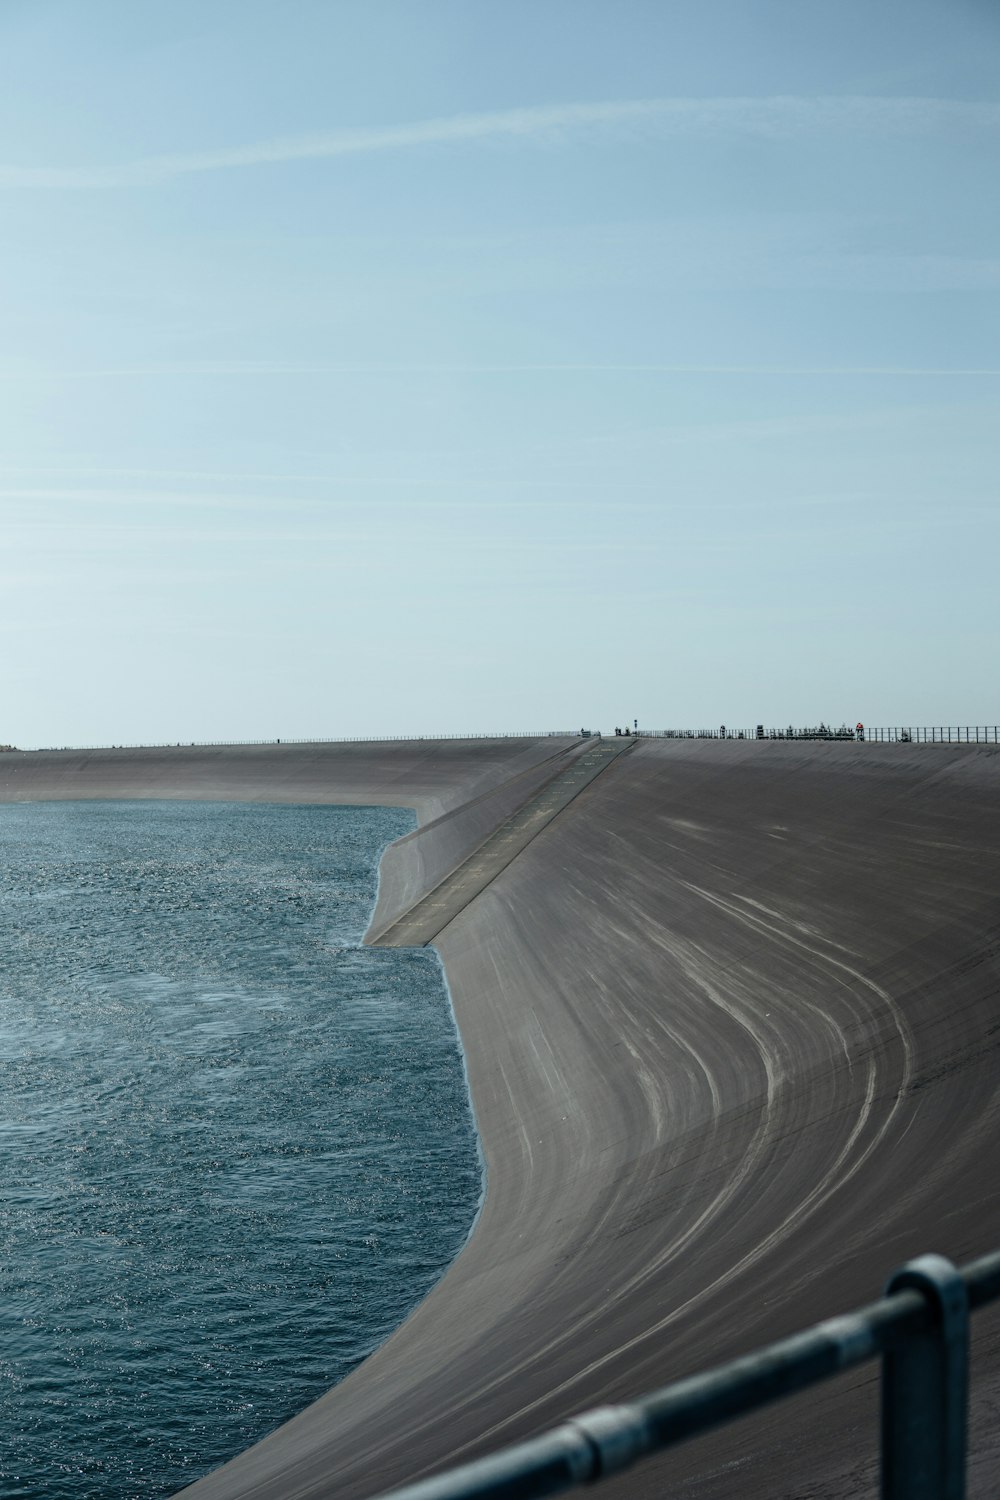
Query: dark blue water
(236, 1147)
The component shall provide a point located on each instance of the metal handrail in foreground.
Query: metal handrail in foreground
(920, 1329)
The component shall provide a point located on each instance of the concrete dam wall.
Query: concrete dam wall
(732, 1024)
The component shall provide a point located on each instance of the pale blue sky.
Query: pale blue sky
(379, 367)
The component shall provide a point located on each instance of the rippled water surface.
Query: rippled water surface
(236, 1146)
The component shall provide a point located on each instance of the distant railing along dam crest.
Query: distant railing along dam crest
(921, 734)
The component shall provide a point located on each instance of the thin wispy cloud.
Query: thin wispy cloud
(777, 117)
(279, 368)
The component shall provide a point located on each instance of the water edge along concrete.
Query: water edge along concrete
(732, 1028)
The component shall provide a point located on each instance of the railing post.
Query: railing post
(925, 1380)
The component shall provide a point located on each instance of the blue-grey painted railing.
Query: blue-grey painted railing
(920, 1330)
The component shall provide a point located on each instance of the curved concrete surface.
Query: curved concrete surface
(732, 1024)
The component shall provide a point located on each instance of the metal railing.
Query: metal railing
(920, 1330)
(948, 734)
(937, 734)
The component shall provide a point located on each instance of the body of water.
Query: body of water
(237, 1146)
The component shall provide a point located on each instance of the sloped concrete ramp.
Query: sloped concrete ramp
(422, 923)
(417, 863)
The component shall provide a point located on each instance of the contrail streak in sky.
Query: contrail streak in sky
(277, 369)
(778, 118)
